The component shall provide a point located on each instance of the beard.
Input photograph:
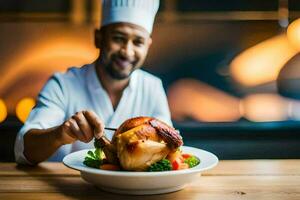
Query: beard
(118, 72)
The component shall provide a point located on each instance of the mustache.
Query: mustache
(124, 58)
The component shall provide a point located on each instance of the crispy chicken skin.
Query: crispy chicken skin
(140, 142)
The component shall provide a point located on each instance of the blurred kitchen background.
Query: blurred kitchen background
(231, 68)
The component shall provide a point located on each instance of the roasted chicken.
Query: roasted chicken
(139, 142)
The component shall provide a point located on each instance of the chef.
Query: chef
(75, 106)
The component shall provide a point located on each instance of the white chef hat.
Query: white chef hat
(138, 12)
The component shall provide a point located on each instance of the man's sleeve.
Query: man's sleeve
(161, 106)
(48, 112)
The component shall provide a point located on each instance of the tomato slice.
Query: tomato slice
(185, 155)
(176, 164)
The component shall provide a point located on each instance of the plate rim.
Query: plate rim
(90, 170)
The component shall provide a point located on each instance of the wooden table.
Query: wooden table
(244, 179)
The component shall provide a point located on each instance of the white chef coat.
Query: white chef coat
(80, 89)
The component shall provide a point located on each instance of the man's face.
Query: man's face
(124, 48)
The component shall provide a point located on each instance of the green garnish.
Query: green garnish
(192, 161)
(162, 165)
(94, 159)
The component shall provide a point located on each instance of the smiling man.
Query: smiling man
(74, 107)
(124, 47)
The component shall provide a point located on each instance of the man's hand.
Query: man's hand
(40, 144)
(83, 126)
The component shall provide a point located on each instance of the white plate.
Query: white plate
(141, 183)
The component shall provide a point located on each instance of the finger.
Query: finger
(76, 130)
(84, 126)
(69, 137)
(67, 128)
(96, 122)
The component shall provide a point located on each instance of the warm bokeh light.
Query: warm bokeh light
(61, 52)
(293, 33)
(189, 98)
(3, 111)
(24, 107)
(40, 60)
(264, 107)
(261, 63)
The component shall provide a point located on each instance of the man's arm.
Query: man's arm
(40, 144)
